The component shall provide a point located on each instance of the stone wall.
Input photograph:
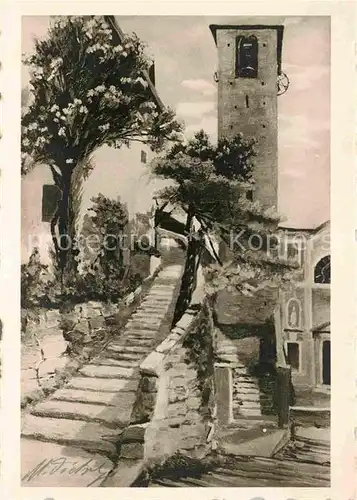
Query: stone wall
(47, 345)
(174, 406)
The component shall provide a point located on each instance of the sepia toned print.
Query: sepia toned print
(175, 276)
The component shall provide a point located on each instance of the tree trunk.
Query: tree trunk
(189, 277)
(63, 230)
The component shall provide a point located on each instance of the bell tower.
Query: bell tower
(249, 80)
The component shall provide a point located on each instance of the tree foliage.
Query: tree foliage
(211, 183)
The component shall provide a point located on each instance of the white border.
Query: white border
(343, 223)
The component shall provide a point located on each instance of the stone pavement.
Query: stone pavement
(310, 445)
(250, 472)
(72, 438)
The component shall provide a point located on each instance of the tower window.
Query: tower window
(50, 197)
(247, 56)
(246, 101)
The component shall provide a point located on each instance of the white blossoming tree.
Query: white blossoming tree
(89, 88)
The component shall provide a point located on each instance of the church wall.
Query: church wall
(314, 300)
(321, 305)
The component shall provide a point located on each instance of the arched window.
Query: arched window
(247, 56)
(322, 272)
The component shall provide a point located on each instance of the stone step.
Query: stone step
(146, 307)
(146, 319)
(94, 397)
(241, 372)
(232, 358)
(144, 325)
(108, 361)
(250, 396)
(105, 372)
(139, 340)
(128, 348)
(103, 385)
(161, 299)
(248, 392)
(124, 363)
(139, 331)
(226, 350)
(156, 301)
(126, 356)
(245, 384)
(147, 315)
(252, 412)
(107, 415)
(91, 436)
(244, 377)
(249, 404)
(301, 447)
(161, 286)
(133, 341)
(161, 289)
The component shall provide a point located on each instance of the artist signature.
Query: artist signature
(61, 466)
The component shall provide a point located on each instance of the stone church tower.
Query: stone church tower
(249, 65)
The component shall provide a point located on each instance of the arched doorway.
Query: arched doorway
(326, 362)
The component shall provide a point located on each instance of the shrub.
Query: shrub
(36, 289)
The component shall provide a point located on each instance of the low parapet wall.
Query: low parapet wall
(172, 409)
(308, 416)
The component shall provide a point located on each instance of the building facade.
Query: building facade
(305, 309)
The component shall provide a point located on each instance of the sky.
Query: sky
(185, 61)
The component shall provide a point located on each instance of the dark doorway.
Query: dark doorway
(326, 363)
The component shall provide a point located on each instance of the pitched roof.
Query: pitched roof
(119, 35)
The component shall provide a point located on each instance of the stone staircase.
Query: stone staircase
(84, 420)
(247, 472)
(246, 393)
(310, 445)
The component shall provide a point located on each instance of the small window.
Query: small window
(293, 355)
(247, 57)
(322, 273)
(143, 157)
(50, 197)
